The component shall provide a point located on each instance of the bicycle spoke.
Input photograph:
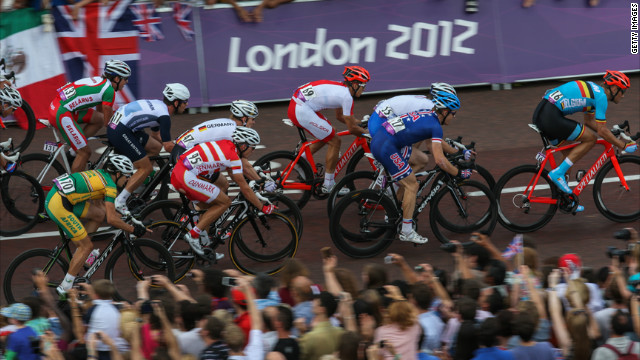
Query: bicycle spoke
(612, 199)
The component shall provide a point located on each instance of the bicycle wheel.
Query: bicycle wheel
(276, 162)
(17, 280)
(515, 210)
(142, 258)
(288, 208)
(31, 128)
(466, 208)
(171, 235)
(611, 198)
(358, 162)
(364, 223)
(158, 211)
(484, 177)
(358, 180)
(23, 201)
(37, 165)
(261, 244)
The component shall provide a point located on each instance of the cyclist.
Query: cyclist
(74, 103)
(126, 133)
(391, 145)
(587, 97)
(10, 101)
(204, 160)
(70, 200)
(243, 113)
(310, 98)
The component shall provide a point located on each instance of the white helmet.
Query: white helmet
(10, 96)
(442, 87)
(176, 91)
(117, 68)
(242, 108)
(245, 135)
(119, 163)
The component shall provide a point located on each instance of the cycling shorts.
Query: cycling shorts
(375, 122)
(555, 126)
(395, 160)
(314, 122)
(195, 188)
(67, 124)
(66, 215)
(128, 143)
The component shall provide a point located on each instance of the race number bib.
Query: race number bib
(393, 125)
(386, 112)
(555, 96)
(115, 120)
(65, 184)
(195, 159)
(67, 92)
(308, 92)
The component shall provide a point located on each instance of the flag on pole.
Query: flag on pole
(147, 21)
(33, 54)
(515, 247)
(182, 14)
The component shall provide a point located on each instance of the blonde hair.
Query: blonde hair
(234, 337)
(582, 289)
(402, 313)
(223, 315)
(577, 324)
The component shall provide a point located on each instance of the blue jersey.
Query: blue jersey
(142, 114)
(579, 96)
(408, 129)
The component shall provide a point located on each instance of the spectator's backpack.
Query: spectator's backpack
(627, 356)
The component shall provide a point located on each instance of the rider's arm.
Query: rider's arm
(113, 218)
(441, 160)
(351, 122)
(107, 113)
(245, 189)
(248, 171)
(163, 133)
(600, 127)
(448, 148)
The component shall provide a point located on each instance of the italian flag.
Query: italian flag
(33, 54)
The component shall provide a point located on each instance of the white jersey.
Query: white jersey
(324, 94)
(212, 130)
(402, 104)
(143, 114)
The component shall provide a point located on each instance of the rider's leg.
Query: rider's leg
(331, 161)
(153, 146)
(222, 183)
(94, 214)
(418, 160)
(85, 246)
(410, 186)
(95, 123)
(214, 210)
(144, 168)
(82, 157)
(587, 140)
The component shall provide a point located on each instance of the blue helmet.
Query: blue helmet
(446, 100)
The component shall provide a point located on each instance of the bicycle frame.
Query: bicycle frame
(608, 153)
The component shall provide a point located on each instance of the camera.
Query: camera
(418, 269)
(388, 259)
(229, 281)
(623, 234)
(146, 307)
(613, 251)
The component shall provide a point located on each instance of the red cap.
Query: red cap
(571, 261)
(238, 297)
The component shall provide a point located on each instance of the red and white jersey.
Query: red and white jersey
(211, 157)
(325, 94)
(402, 104)
(212, 130)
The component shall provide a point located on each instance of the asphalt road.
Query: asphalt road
(495, 120)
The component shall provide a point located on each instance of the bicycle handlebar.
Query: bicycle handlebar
(622, 130)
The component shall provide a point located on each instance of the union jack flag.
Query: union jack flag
(148, 24)
(102, 32)
(182, 15)
(515, 247)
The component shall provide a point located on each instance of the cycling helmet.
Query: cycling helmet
(445, 100)
(442, 87)
(11, 96)
(117, 68)
(356, 73)
(242, 108)
(176, 91)
(617, 78)
(245, 135)
(119, 163)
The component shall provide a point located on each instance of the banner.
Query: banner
(32, 53)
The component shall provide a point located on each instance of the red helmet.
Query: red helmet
(617, 78)
(356, 73)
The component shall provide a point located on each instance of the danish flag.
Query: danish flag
(101, 33)
(182, 16)
(147, 23)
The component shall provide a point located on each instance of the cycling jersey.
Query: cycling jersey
(212, 130)
(310, 98)
(579, 96)
(397, 105)
(126, 127)
(67, 201)
(204, 159)
(391, 145)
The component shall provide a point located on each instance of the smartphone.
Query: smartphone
(388, 259)
(153, 281)
(418, 268)
(326, 252)
(229, 281)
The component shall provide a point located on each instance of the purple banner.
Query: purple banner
(404, 44)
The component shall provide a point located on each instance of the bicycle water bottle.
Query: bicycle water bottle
(91, 259)
(148, 179)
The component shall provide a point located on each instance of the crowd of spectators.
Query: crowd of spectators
(487, 308)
